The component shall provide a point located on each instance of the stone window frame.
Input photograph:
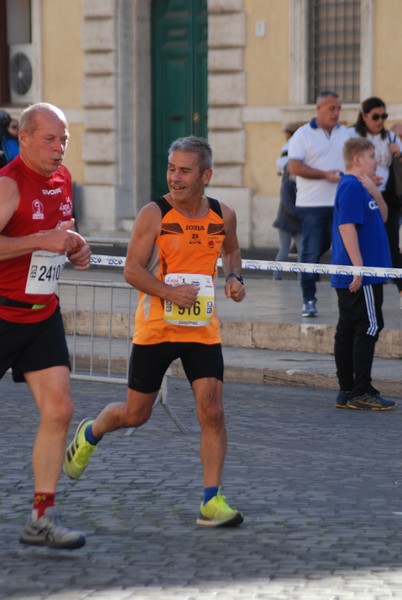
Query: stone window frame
(298, 45)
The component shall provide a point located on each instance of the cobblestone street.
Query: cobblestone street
(321, 491)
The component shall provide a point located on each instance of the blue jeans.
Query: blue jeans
(317, 235)
(285, 241)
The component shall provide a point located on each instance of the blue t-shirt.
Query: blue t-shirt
(353, 204)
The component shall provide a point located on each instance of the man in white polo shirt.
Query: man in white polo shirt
(315, 157)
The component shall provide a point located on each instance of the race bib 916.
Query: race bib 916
(201, 312)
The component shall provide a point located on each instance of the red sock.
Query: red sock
(41, 501)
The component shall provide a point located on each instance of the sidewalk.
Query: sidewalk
(320, 489)
(265, 339)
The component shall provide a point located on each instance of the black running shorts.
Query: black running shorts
(32, 346)
(148, 364)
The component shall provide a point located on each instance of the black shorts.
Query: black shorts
(148, 364)
(32, 346)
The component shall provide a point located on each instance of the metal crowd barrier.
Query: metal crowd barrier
(91, 308)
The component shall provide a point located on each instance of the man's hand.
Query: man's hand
(235, 290)
(80, 255)
(64, 241)
(60, 239)
(334, 176)
(183, 295)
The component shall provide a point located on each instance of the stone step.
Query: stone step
(98, 357)
(303, 337)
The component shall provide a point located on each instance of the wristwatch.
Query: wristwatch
(236, 276)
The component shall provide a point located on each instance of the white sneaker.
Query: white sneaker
(49, 531)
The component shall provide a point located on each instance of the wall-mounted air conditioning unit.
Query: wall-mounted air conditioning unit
(20, 73)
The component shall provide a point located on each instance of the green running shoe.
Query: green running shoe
(217, 513)
(78, 452)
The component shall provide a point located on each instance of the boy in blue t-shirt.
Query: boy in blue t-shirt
(359, 238)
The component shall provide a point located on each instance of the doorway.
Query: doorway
(179, 78)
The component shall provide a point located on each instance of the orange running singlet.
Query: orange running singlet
(184, 246)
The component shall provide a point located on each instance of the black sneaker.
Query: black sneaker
(370, 402)
(342, 399)
(49, 531)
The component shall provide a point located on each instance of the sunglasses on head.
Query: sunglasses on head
(377, 117)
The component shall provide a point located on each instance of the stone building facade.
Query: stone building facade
(93, 59)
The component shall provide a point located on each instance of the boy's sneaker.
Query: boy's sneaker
(217, 513)
(78, 452)
(371, 402)
(342, 399)
(49, 531)
(309, 309)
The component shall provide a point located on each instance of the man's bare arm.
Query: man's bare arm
(60, 239)
(231, 256)
(145, 231)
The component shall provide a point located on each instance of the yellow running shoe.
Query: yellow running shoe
(217, 513)
(78, 452)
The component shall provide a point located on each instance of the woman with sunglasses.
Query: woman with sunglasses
(370, 124)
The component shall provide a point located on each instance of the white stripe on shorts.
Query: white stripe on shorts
(371, 312)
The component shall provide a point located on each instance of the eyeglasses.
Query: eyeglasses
(377, 117)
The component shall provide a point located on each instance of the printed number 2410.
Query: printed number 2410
(49, 273)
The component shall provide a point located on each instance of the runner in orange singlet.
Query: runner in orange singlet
(171, 260)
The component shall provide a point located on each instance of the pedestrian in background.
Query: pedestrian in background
(397, 129)
(370, 125)
(9, 145)
(315, 158)
(287, 220)
(359, 239)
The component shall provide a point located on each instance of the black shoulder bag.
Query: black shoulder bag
(395, 172)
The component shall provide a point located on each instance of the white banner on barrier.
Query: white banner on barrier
(270, 265)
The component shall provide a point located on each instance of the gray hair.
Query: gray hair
(28, 118)
(326, 94)
(197, 145)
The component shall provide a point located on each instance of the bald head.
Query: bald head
(30, 116)
(43, 137)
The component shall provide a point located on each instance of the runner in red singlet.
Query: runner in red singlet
(35, 238)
